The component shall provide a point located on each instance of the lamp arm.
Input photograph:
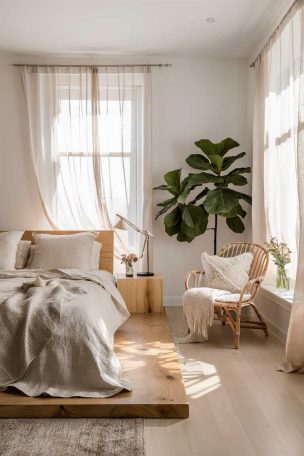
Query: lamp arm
(136, 228)
(143, 247)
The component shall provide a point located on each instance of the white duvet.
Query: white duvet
(58, 339)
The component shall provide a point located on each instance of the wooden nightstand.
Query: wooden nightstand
(142, 294)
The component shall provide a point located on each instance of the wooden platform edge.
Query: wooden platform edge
(174, 411)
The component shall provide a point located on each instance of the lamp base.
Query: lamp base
(145, 274)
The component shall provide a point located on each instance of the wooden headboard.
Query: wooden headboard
(105, 237)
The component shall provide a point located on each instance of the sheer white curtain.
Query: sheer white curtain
(278, 180)
(90, 145)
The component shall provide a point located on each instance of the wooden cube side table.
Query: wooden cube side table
(142, 294)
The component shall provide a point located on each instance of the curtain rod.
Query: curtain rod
(252, 65)
(159, 65)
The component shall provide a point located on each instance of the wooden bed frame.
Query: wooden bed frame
(149, 360)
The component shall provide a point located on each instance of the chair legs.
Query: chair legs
(236, 323)
(262, 322)
(237, 331)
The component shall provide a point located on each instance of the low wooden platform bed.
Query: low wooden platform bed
(149, 362)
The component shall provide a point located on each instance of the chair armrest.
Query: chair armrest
(196, 276)
(252, 287)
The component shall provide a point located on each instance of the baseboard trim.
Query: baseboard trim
(275, 330)
(173, 301)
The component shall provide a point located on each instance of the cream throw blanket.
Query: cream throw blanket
(57, 333)
(198, 306)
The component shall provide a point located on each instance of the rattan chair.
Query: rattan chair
(230, 312)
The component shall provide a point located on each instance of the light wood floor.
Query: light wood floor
(239, 404)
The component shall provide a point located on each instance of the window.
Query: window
(119, 142)
(90, 144)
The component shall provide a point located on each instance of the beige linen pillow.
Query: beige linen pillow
(228, 274)
(73, 251)
(8, 248)
(22, 255)
(94, 259)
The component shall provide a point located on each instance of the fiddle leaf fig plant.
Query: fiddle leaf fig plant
(187, 214)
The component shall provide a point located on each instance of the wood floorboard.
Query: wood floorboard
(147, 352)
(239, 403)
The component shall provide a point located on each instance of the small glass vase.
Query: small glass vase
(282, 280)
(129, 269)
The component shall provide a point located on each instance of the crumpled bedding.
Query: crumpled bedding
(57, 339)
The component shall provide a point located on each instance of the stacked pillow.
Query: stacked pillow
(8, 248)
(75, 251)
(22, 255)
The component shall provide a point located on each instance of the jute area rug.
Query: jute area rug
(71, 437)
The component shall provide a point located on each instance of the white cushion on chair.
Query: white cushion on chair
(233, 297)
(229, 274)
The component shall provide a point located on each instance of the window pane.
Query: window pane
(76, 185)
(73, 126)
(115, 126)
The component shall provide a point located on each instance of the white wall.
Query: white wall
(191, 100)
(195, 99)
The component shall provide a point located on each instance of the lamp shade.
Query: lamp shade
(121, 224)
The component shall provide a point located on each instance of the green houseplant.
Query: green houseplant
(190, 205)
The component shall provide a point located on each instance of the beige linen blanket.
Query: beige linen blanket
(57, 338)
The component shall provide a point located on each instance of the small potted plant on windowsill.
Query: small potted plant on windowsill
(281, 257)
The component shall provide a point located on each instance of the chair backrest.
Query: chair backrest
(260, 260)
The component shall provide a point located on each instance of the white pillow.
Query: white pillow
(23, 251)
(228, 274)
(8, 248)
(96, 255)
(73, 251)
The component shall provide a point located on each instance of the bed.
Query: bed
(57, 336)
(145, 349)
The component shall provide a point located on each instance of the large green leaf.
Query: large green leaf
(184, 191)
(237, 210)
(235, 224)
(194, 220)
(235, 179)
(217, 162)
(221, 148)
(197, 161)
(164, 210)
(227, 162)
(244, 197)
(166, 205)
(203, 178)
(173, 217)
(200, 195)
(173, 178)
(167, 202)
(172, 230)
(220, 200)
(161, 187)
(240, 171)
(181, 237)
(193, 215)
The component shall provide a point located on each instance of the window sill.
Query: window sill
(283, 298)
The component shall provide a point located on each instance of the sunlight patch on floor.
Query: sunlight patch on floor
(200, 378)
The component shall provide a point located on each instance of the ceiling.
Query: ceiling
(138, 27)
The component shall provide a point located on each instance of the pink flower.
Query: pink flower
(130, 258)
